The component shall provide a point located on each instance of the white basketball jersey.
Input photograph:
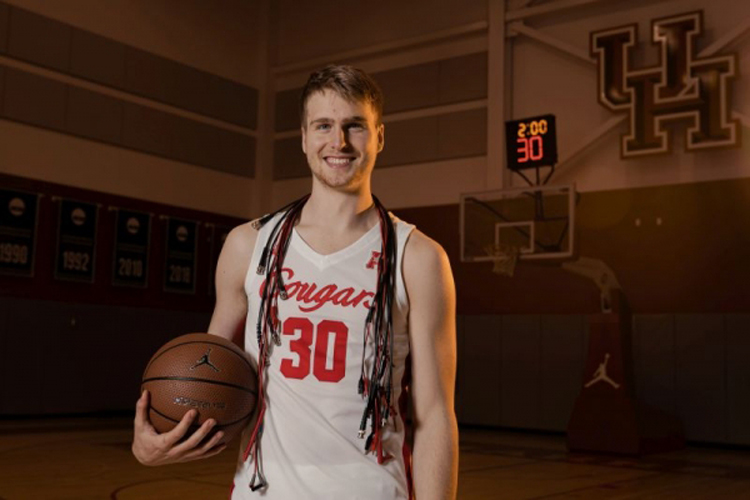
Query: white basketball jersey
(310, 448)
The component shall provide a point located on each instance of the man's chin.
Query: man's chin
(339, 183)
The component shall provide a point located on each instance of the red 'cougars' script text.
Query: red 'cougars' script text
(309, 293)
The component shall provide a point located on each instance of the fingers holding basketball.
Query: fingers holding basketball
(152, 448)
(141, 413)
(202, 444)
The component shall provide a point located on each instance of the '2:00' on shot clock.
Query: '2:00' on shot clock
(531, 142)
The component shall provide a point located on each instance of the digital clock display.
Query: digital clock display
(531, 142)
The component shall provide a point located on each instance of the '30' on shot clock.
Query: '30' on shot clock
(531, 142)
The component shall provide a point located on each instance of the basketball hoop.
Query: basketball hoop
(504, 258)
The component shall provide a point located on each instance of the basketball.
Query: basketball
(203, 372)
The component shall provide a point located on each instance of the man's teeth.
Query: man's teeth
(339, 161)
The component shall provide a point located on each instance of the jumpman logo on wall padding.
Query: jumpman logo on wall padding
(600, 375)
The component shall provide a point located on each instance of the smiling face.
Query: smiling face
(341, 140)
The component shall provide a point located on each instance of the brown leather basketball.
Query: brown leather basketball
(203, 372)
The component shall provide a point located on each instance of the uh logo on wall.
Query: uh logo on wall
(686, 86)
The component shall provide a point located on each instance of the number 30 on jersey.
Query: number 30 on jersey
(307, 334)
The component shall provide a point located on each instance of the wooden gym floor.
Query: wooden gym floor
(89, 459)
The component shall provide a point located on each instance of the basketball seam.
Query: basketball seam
(247, 415)
(195, 379)
(241, 356)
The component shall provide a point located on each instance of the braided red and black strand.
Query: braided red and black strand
(376, 380)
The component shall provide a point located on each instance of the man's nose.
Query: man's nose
(339, 140)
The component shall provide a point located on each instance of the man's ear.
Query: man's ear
(304, 149)
(381, 137)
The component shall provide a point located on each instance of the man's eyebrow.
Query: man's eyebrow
(358, 119)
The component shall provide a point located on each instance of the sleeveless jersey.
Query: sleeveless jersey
(310, 446)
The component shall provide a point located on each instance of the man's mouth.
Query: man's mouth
(338, 161)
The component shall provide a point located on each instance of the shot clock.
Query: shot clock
(531, 142)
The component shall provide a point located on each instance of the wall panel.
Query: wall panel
(196, 142)
(289, 159)
(461, 379)
(97, 58)
(43, 102)
(521, 383)
(168, 81)
(5, 307)
(738, 378)
(420, 86)
(147, 129)
(4, 18)
(34, 100)
(463, 78)
(700, 383)
(338, 29)
(25, 353)
(410, 141)
(286, 110)
(462, 134)
(236, 154)
(2, 91)
(39, 40)
(94, 116)
(412, 87)
(481, 370)
(561, 368)
(63, 358)
(654, 360)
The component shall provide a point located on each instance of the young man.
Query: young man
(339, 300)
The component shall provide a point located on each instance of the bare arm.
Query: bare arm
(432, 331)
(152, 448)
(228, 320)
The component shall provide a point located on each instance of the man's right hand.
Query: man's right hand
(152, 448)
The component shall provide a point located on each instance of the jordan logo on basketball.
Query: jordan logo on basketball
(205, 361)
(684, 86)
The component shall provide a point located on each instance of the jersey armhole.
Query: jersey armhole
(403, 234)
(260, 243)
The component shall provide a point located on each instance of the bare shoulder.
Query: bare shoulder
(242, 238)
(425, 260)
(237, 252)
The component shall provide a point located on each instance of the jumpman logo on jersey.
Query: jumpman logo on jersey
(601, 375)
(205, 361)
(373, 262)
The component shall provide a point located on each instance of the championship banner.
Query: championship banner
(18, 222)
(132, 241)
(76, 241)
(179, 268)
(218, 237)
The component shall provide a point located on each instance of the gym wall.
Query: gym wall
(453, 72)
(672, 227)
(157, 103)
(153, 109)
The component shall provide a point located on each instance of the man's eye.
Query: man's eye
(355, 126)
(322, 126)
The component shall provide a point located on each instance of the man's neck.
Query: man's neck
(339, 211)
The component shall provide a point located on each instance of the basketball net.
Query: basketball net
(504, 258)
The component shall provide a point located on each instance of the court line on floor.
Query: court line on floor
(662, 465)
(118, 490)
(491, 467)
(592, 487)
